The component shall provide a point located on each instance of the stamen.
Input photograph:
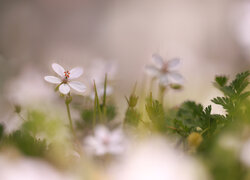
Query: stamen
(67, 73)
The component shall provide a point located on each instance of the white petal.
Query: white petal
(101, 132)
(52, 79)
(164, 80)
(173, 63)
(115, 149)
(152, 70)
(116, 136)
(175, 77)
(64, 88)
(158, 60)
(77, 86)
(75, 73)
(58, 69)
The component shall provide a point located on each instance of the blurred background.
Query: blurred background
(210, 37)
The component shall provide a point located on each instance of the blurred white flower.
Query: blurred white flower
(31, 89)
(97, 73)
(12, 168)
(244, 154)
(105, 141)
(164, 71)
(100, 91)
(65, 80)
(156, 159)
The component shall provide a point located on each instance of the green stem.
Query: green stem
(70, 120)
(104, 98)
(161, 93)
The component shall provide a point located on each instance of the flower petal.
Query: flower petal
(152, 70)
(77, 86)
(175, 77)
(64, 88)
(75, 73)
(158, 60)
(101, 132)
(164, 80)
(173, 63)
(58, 69)
(52, 79)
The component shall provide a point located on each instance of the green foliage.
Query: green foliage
(156, 113)
(235, 94)
(27, 144)
(1, 131)
(132, 117)
(38, 123)
(87, 116)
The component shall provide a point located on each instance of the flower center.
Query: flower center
(164, 68)
(66, 73)
(105, 141)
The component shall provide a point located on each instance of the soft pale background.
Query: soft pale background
(211, 37)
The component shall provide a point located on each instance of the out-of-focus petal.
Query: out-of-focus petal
(152, 70)
(164, 80)
(58, 69)
(75, 73)
(52, 79)
(173, 63)
(158, 60)
(64, 88)
(101, 132)
(175, 77)
(116, 149)
(116, 136)
(80, 87)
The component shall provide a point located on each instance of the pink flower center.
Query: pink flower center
(66, 78)
(105, 141)
(66, 73)
(164, 68)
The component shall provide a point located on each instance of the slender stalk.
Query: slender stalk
(97, 104)
(67, 102)
(161, 93)
(94, 114)
(104, 98)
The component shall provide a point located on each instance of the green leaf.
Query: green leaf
(221, 80)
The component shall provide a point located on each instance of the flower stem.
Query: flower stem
(67, 102)
(161, 93)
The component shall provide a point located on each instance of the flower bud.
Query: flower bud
(132, 101)
(194, 140)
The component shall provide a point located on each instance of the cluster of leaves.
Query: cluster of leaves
(102, 112)
(235, 95)
(132, 116)
(26, 143)
(26, 140)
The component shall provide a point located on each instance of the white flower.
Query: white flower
(100, 91)
(65, 80)
(157, 159)
(105, 141)
(97, 73)
(164, 71)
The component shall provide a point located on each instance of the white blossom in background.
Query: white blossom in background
(156, 159)
(27, 90)
(105, 141)
(31, 89)
(164, 71)
(244, 154)
(100, 91)
(13, 168)
(65, 79)
(97, 73)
